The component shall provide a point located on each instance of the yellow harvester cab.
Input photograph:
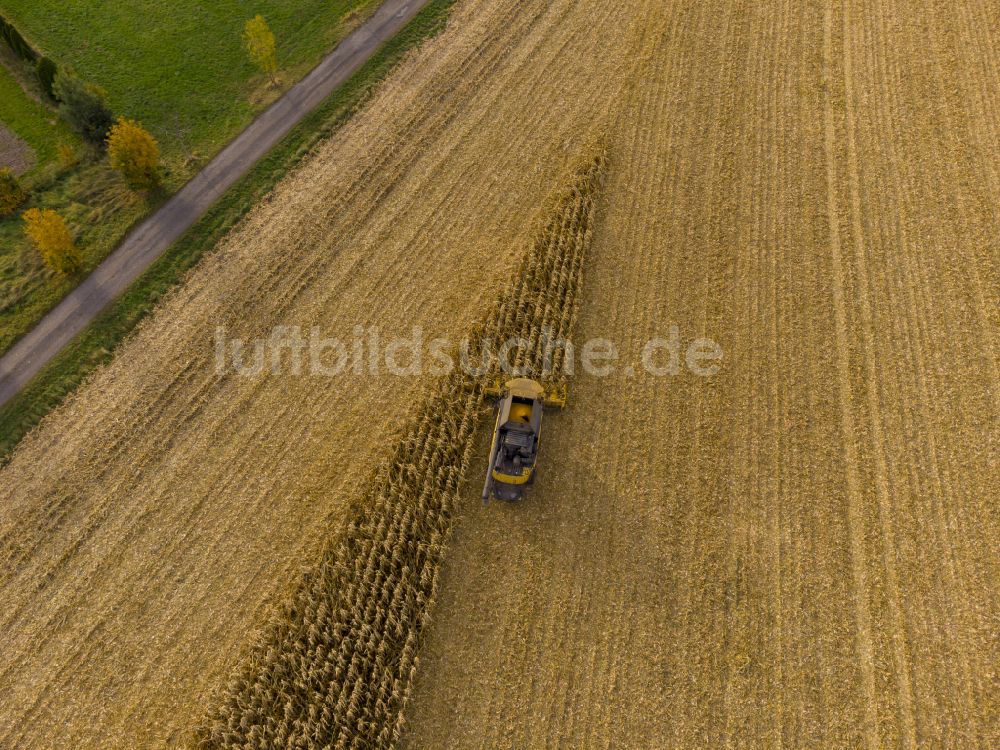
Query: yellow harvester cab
(516, 436)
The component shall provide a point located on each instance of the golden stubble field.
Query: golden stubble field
(799, 550)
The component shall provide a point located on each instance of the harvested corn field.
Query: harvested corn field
(335, 668)
(795, 546)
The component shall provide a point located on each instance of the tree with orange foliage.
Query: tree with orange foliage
(133, 151)
(52, 238)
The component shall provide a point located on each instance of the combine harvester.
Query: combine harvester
(516, 437)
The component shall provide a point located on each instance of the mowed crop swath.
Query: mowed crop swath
(801, 550)
(150, 522)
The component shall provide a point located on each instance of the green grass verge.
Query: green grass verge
(99, 208)
(96, 345)
(34, 123)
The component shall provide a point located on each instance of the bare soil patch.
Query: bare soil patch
(14, 152)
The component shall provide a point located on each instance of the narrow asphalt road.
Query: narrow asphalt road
(153, 236)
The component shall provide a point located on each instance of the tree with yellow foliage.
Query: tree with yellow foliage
(51, 237)
(134, 153)
(260, 46)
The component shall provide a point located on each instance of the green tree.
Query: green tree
(12, 194)
(133, 151)
(48, 232)
(84, 106)
(13, 38)
(47, 71)
(260, 45)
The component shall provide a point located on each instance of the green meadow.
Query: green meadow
(179, 67)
